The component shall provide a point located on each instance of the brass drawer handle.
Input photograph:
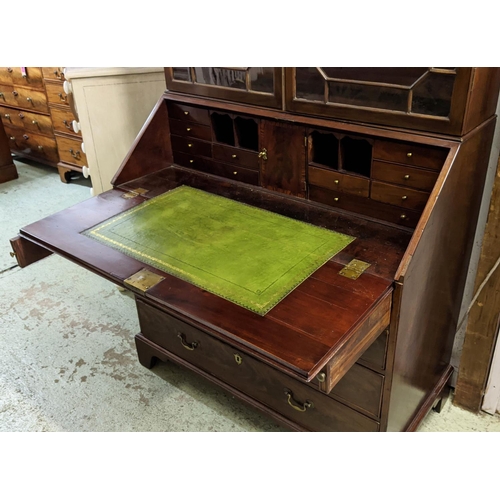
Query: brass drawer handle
(336, 181)
(188, 129)
(409, 155)
(190, 145)
(40, 147)
(263, 154)
(190, 347)
(9, 70)
(406, 177)
(12, 138)
(62, 97)
(234, 156)
(75, 155)
(186, 113)
(68, 125)
(58, 74)
(14, 93)
(7, 116)
(34, 122)
(298, 406)
(403, 216)
(1, 95)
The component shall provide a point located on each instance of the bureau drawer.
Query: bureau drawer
(70, 151)
(29, 99)
(56, 94)
(415, 178)
(188, 113)
(32, 144)
(53, 73)
(194, 130)
(191, 146)
(249, 375)
(399, 196)
(228, 154)
(192, 161)
(410, 154)
(26, 120)
(62, 120)
(342, 183)
(14, 76)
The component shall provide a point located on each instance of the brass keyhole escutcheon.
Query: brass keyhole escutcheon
(238, 359)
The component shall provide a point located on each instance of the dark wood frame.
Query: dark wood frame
(456, 124)
(252, 98)
(8, 170)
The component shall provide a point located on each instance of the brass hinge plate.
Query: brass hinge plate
(354, 269)
(134, 193)
(143, 280)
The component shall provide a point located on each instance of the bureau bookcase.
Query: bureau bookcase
(395, 158)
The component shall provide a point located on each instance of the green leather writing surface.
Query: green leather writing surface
(245, 254)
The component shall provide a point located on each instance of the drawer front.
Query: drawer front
(56, 94)
(193, 130)
(336, 181)
(414, 178)
(399, 196)
(375, 356)
(236, 173)
(26, 120)
(188, 113)
(252, 377)
(366, 206)
(14, 76)
(410, 154)
(191, 146)
(29, 99)
(62, 120)
(228, 154)
(53, 73)
(70, 151)
(32, 144)
(192, 161)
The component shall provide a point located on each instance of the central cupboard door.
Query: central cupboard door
(283, 157)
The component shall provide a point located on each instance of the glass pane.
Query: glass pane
(309, 84)
(432, 96)
(182, 74)
(221, 77)
(370, 96)
(262, 79)
(395, 76)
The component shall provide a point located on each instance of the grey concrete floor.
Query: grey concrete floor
(67, 354)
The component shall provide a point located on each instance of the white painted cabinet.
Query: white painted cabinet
(112, 105)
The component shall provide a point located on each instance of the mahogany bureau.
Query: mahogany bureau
(395, 157)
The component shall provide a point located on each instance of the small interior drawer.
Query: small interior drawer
(236, 173)
(192, 161)
(188, 113)
(410, 154)
(399, 196)
(410, 177)
(330, 179)
(241, 157)
(187, 129)
(53, 73)
(191, 146)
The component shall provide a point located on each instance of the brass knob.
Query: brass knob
(7, 116)
(15, 94)
(404, 197)
(9, 70)
(75, 154)
(188, 130)
(34, 122)
(191, 161)
(40, 147)
(406, 177)
(321, 377)
(1, 94)
(25, 136)
(234, 156)
(12, 138)
(21, 116)
(62, 97)
(335, 199)
(186, 113)
(190, 145)
(12, 254)
(402, 216)
(29, 99)
(409, 155)
(235, 173)
(336, 181)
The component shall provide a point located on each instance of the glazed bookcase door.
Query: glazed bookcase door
(257, 86)
(432, 99)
